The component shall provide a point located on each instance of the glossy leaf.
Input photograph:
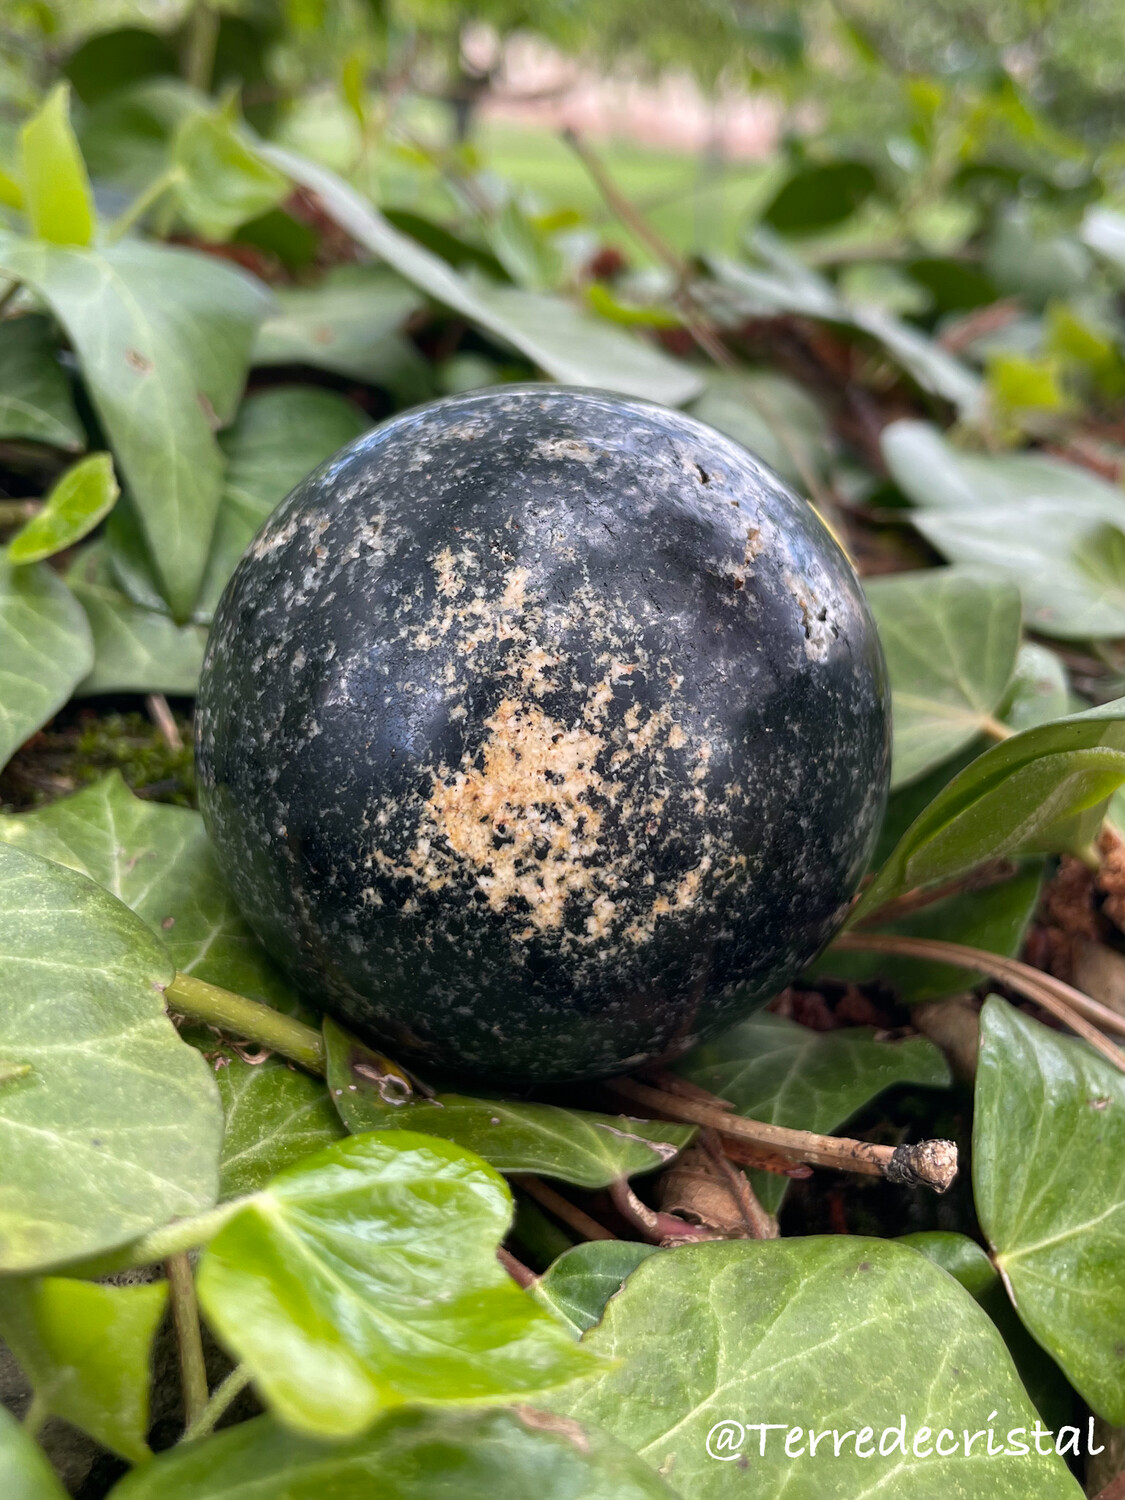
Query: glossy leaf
(275, 1116)
(135, 650)
(950, 637)
(82, 497)
(163, 338)
(277, 438)
(1039, 690)
(772, 416)
(771, 1069)
(158, 860)
(45, 651)
(366, 1276)
(1049, 1181)
(35, 399)
(412, 1455)
(56, 190)
(116, 1127)
(566, 342)
(590, 1150)
(25, 1473)
(224, 182)
(857, 1336)
(1012, 798)
(350, 322)
(577, 1286)
(86, 1349)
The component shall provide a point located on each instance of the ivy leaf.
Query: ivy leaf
(577, 1286)
(277, 438)
(1050, 1115)
(589, 1150)
(566, 342)
(224, 182)
(275, 1116)
(35, 399)
(950, 637)
(410, 1455)
(1039, 690)
(45, 651)
(163, 338)
(861, 1336)
(1012, 798)
(159, 861)
(366, 1276)
(86, 1350)
(771, 1069)
(135, 650)
(772, 416)
(56, 190)
(25, 1473)
(116, 1128)
(82, 497)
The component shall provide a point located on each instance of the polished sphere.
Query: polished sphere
(542, 733)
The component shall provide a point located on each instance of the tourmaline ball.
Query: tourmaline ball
(542, 733)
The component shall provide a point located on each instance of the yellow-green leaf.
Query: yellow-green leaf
(56, 188)
(84, 495)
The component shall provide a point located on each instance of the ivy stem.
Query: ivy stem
(163, 1243)
(189, 1337)
(16, 512)
(570, 1214)
(227, 1393)
(203, 35)
(35, 1416)
(142, 203)
(247, 1018)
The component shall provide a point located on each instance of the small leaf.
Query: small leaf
(567, 343)
(518, 1454)
(589, 1150)
(275, 1116)
(1049, 1182)
(863, 1337)
(819, 196)
(116, 1129)
(950, 638)
(45, 651)
(83, 496)
(224, 181)
(25, 1473)
(771, 1069)
(1039, 690)
(577, 1286)
(56, 189)
(86, 1350)
(1010, 799)
(35, 397)
(366, 1276)
(772, 416)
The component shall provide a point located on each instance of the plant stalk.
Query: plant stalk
(189, 1338)
(562, 1208)
(142, 203)
(247, 1018)
(226, 1394)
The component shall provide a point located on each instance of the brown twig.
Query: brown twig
(1083, 1015)
(516, 1268)
(980, 879)
(760, 1225)
(932, 1164)
(161, 715)
(189, 1339)
(658, 1227)
(562, 1208)
(1114, 1490)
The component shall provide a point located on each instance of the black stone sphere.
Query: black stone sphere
(542, 733)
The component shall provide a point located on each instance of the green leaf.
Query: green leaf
(849, 1335)
(35, 397)
(86, 1350)
(163, 337)
(566, 342)
(771, 1069)
(159, 861)
(410, 1455)
(587, 1149)
(819, 196)
(1049, 1182)
(772, 416)
(950, 638)
(277, 438)
(25, 1473)
(56, 189)
(1010, 799)
(366, 1276)
(45, 651)
(577, 1286)
(83, 496)
(116, 1128)
(275, 1116)
(135, 650)
(224, 181)
(1039, 691)
(350, 323)
(995, 919)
